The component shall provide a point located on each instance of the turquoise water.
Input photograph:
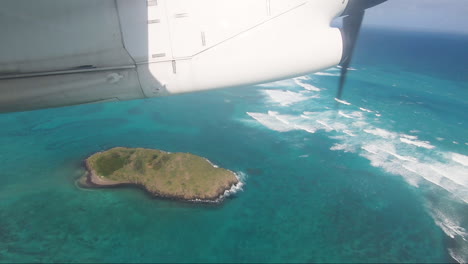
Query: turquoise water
(383, 184)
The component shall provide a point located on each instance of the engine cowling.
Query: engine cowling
(65, 52)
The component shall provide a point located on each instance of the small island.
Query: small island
(182, 176)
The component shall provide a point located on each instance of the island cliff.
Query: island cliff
(181, 176)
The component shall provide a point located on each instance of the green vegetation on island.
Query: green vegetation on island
(172, 175)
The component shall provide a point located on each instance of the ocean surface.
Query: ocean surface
(381, 176)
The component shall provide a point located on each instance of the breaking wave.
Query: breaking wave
(342, 101)
(235, 188)
(286, 98)
(327, 74)
(306, 86)
(419, 162)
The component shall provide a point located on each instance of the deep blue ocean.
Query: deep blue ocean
(383, 177)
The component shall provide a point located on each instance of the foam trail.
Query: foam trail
(342, 101)
(344, 115)
(422, 144)
(328, 127)
(306, 86)
(381, 133)
(461, 159)
(333, 69)
(349, 133)
(327, 74)
(409, 136)
(303, 78)
(449, 226)
(285, 98)
(344, 147)
(270, 122)
(365, 110)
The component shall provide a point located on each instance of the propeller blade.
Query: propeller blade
(356, 6)
(353, 16)
(351, 27)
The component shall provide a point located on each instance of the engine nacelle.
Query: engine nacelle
(65, 52)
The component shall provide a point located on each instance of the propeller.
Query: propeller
(353, 16)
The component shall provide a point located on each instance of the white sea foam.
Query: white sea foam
(365, 110)
(451, 177)
(408, 136)
(234, 189)
(359, 124)
(344, 147)
(270, 122)
(418, 143)
(306, 86)
(325, 125)
(333, 69)
(384, 160)
(450, 226)
(212, 164)
(462, 159)
(344, 115)
(327, 74)
(303, 78)
(391, 151)
(342, 101)
(307, 128)
(355, 114)
(304, 156)
(349, 132)
(285, 98)
(381, 133)
(457, 257)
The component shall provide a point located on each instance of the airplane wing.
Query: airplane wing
(65, 52)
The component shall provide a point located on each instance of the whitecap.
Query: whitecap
(285, 97)
(359, 124)
(306, 86)
(450, 226)
(270, 122)
(418, 143)
(349, 133)
(327, 74)
(342, 101)
(333, 69)
(344, 147)
(303, 78)
(344, 115)
(381, 133)
(327, 126)
(365, 110)
(408, 136)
